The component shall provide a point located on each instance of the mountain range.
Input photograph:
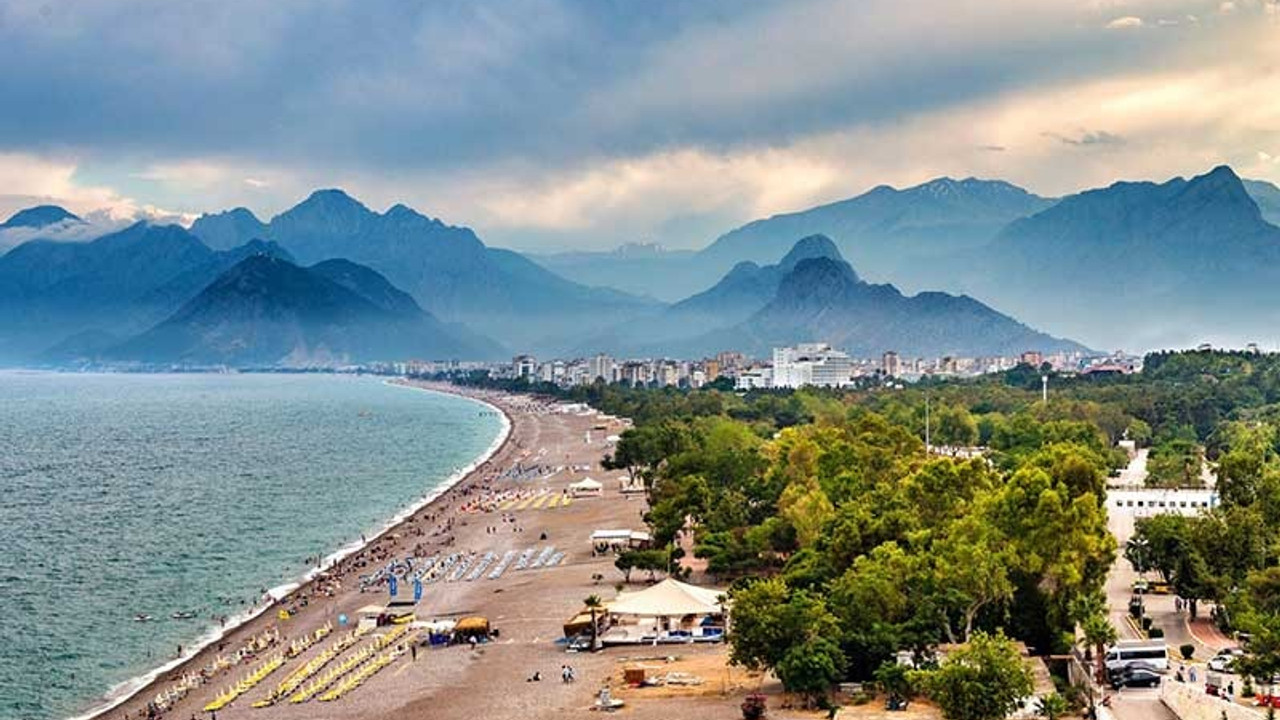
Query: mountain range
(109, 288)
(447, 269)
(1135, 265)
(815, 294)
(1139, 264)
(885, 232)
(266, 310)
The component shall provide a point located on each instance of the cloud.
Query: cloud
(1127, 22)
(1086, 138)
(568, 122)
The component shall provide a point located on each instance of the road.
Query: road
(1134, 703)
(1144, 704)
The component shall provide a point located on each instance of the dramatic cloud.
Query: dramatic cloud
(552, 123)
(1125, 23)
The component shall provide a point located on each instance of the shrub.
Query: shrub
(1155, 633)
(1187, 650)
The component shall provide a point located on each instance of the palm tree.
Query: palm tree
(1099, 632)
(1091, 613)
(593, 603)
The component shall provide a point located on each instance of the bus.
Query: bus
(1151, 652)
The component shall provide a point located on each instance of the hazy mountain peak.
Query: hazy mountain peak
(1267, 197)
(1222, 189)
(228, 229)
(267, 310)
(400, 210)
(38, 217)
(327, 205)
(743, 269)
(332, 197)
(812, 272)
(810, 246)
(240, 214)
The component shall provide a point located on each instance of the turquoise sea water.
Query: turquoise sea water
(128, 494)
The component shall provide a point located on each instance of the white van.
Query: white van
(1154, 653)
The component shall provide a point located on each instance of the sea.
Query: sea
(124, 495)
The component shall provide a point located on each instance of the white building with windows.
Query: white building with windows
(758, 378)
(600, 367)
(816, 364)
(524, 366)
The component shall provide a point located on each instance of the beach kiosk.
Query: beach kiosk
(618, 540)
(668, 612)
(586, 487)
(368, 617)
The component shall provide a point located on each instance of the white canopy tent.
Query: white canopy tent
(622, 538)
(586, 486)
(668, 598)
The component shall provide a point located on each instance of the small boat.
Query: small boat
(183, 615)
(142, 617)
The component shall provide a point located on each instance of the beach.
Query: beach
(545, 450)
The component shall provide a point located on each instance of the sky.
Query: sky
(583, 124)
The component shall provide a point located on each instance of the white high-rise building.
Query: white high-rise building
(891, 365)
(524, 366)
(811, 364)
(600, 367)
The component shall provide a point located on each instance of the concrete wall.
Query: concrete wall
(1191, 703)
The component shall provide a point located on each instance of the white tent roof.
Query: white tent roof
(587, 484)
(669, 597)
(610, 535)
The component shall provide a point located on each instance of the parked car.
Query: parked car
(1136, 677)
(1225, 660)
(1116, 673)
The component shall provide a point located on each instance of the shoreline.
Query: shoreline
(128, 690)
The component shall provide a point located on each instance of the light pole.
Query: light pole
(1044, 389)
(926, 426)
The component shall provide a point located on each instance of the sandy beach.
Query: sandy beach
(528, 607)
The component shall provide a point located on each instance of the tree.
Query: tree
(1177, 555)
(1052, 706)
(972, 565)
(985, 679)
(1099, 633)
(811, 668)
(593, 603)
(774, 627)
(807, 508)
(955, 426)
(877, 614)
(894, 679)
